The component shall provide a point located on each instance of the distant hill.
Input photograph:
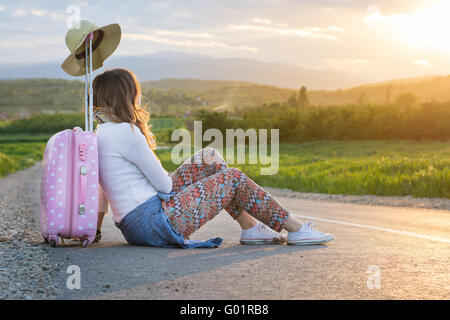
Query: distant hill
(175, 96)
(238, 93)
(195, 84)
(425, 88)
(23, 96)
(180, 65)
(221, 95)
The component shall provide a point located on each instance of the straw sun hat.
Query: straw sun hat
(105, 41)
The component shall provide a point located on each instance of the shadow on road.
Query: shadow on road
(107, 268)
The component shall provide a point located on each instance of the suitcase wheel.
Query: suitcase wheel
(53, 241)
(85, 243)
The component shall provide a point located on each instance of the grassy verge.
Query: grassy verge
(16, 156)
(24, 137)
(387, 168)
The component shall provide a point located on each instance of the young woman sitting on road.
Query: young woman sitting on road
(151, 207)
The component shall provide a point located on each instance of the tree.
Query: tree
(303, 99)
(292, 101)
(406, 99)
(388, 95)
(362, 98)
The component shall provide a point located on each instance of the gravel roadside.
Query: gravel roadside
(25, 269)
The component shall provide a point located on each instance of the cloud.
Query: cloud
(2, 8)
(348, 61)
(184, 34)
(285, 26)
(38, 13)
(305, 32)
(186, 43)
(22, 12)
(269, 22)
(15, 45)
(374, 18)
(334, 28)
(158, 5)
(423, 63)
(259, 20)
(19, 13)
(58, 17)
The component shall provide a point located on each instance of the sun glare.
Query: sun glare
(427, 28)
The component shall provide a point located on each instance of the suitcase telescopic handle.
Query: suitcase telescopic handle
(88, 91)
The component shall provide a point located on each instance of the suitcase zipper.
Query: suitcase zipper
(70, 183)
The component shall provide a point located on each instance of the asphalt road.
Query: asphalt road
(378, 253)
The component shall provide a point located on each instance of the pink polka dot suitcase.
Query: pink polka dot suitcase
(69, 180)
(69, 187)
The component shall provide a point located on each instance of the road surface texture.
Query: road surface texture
(403, 252)
(378, 253)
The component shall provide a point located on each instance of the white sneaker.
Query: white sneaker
(307, 236)
(261, 234)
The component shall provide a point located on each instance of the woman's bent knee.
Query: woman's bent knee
(235, 172)
(212, 156)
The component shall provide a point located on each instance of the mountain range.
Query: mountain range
(180, 65)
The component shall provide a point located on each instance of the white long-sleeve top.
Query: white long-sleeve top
(129, 171)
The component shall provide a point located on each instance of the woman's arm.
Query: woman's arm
(134, 148)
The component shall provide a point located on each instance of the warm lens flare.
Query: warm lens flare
(427, 28)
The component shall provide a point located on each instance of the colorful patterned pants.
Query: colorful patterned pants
(204, 186)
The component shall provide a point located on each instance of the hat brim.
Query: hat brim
(109, 43)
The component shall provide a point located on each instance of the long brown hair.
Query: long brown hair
(116, 94)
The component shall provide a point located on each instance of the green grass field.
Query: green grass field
(160, 124)
(387, 168)
(16, 156)
(20, 150)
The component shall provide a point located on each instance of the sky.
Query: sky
(382, 39)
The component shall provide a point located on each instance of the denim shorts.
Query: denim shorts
(148, 225)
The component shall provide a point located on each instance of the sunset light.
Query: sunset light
(225, 154)
(426, 28)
